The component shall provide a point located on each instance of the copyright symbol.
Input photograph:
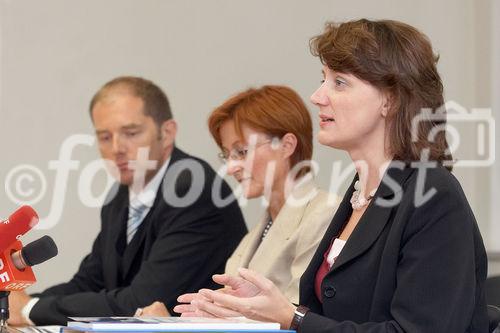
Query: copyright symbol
(21, 185)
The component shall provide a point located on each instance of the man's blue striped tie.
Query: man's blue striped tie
(135, 217)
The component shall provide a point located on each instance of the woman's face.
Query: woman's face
(254, 161)
(352, 112)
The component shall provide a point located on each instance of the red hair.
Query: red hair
(274, 110)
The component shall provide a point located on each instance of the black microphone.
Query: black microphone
(35, 253)
(17, 274)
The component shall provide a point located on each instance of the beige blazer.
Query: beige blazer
(286, 251)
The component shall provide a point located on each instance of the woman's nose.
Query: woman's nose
(234, 166)
(319, 97)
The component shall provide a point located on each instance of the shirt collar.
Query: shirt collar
(148, 194)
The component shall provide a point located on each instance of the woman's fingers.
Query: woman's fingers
(227, 280)
(198, 313)
(184, 308)
(207, 309)
(215, 309)
(257, 279)
(188, 298)
(224, 300)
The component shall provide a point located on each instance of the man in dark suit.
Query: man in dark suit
(162, 233)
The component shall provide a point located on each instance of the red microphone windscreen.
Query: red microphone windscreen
(18, 223)
(11, 277)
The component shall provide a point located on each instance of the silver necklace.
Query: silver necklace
(266, 230)
(358, 201)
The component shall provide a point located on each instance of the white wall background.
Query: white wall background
(54, 54)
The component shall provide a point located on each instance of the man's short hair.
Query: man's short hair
(156, 103)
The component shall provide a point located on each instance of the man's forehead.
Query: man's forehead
(115, 95)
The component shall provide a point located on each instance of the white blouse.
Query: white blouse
(337, 246)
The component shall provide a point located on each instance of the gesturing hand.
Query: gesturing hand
(190, 307)
(236, 285)
(251, 295)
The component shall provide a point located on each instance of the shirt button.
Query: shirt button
(329, 292)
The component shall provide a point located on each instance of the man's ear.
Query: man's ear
(288, 144)
(168, 131)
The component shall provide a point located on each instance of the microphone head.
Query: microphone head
(39, 251)
(18, 223)
(24, 215)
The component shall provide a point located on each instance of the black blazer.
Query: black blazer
(407, 268)
(175, 251)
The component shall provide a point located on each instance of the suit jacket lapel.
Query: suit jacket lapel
(374, 219)
(253, 245)
(292, 212)
(117, 237)
(306, 289)
(285, 224)
(132, 249)
(364, 235)
(366, 232)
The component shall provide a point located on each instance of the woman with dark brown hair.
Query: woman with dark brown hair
(403, 252)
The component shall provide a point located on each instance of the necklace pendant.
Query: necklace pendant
(358, 201)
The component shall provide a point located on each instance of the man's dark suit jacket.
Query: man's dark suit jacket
(404, 268)
(175, 251)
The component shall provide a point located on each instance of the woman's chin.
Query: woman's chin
(327, 140)
(324, 137)
(249, 194)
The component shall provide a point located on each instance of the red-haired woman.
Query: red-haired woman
(265, 137)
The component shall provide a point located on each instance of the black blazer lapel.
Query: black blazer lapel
(375, 217)
(135, 248)
(132, 251)
(117, 222)
(364, 235)
(366, 232)
(306, 289)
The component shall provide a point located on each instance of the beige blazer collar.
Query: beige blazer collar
(286, 223)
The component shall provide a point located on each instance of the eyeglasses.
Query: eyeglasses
(238, 154)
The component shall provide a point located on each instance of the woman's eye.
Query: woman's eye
(339, 82)
(322, 81)
(241, 153)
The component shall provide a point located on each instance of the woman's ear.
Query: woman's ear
(288, 144)
(386, 104)
(168, 131)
